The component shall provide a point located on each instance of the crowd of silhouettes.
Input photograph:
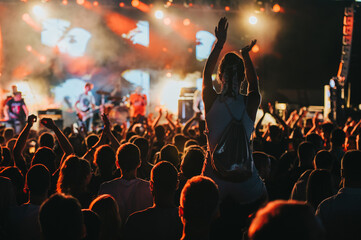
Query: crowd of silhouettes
(150, 181)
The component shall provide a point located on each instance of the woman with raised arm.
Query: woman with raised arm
(224, 107)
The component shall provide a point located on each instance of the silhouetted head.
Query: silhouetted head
(170, 153)
(128, 157)
(46, 140)
(199, 200)
(285, 220)
(143, 145)
(338, 137)
(45, 156)
(61, 218)
(351, 167)
(37, 180)
(164, 178)
(192, 163)
(323, 160)
(231, 74)
(104, 159)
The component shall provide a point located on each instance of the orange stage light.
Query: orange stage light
(65, 2)
(95, 4)
(135, 3)
(186, 22)
(276, 8)
(80, 2)
(121, 4)
(227, 8)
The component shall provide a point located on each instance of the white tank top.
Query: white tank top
(218, 118)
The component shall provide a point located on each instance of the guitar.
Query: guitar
(83, 116)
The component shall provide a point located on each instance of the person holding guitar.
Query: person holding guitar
(15, 112)
(85, 106)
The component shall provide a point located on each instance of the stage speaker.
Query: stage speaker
(55, 114)
(185, 109)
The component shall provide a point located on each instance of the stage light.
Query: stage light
(253, 20)
(186, 22)
(168, 4)
(255, 48)
(39, 11)
(227, 8)
(169, 74)
(121, 4)
(95, 4)
(26, 17)
(135, 3)
(159, 14)
(65, 2)
(276, 8)
(167, 21)
(29, 48)
(80, 2)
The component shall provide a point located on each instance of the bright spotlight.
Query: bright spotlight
(253, 20)
(276, 8)
(255, 48)
(135, 3)
(39, 11)
(80, 2)
(159, 14)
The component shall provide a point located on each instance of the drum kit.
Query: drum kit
(117, 108)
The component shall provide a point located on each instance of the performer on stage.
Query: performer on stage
(198, 105)
(15, 112)
(85, 107)
(138, 103)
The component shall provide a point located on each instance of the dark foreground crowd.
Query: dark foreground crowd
(145, 182)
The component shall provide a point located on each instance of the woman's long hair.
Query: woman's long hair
(72, 177)
(231, 74)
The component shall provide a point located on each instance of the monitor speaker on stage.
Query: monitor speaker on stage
(55, 114)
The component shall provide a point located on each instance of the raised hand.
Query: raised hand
(48, 122)
(221, 31)
(246, 49)
(31, 119)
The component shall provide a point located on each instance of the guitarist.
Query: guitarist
(15, 112)
(85, 106)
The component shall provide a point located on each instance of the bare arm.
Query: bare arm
(26, 111)
(208, 93)
(6, 112)
(62, 139)
(20, 145)
(254, 96)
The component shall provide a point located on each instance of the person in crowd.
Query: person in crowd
(170, 153)
(24, 219)
(285, 220)
(341, 214)
(92, 224)
(60, 218)
(131, 193)
(145, 167)
(198, 207)
(107, 209)
(219, 109)
(319, 187)
(161, 221)
(74, 178)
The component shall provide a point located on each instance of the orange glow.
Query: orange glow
(21, 71)
(164, 49)
(276, 8)
(26, 17)
(118, 23)
(191, 4)
(95, 3)
(167, 21)
(1, 51)
(121, 4)
(186, 22)
(169, 4)
(42, 59)
(80, 66)
(169, 74)
(255, 48)
(80, 2)
(262, 9)
(227, 8)
(29, 48)
(190, 50)
(65, 2)
(135, 3)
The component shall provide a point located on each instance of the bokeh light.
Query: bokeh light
(253, 20)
